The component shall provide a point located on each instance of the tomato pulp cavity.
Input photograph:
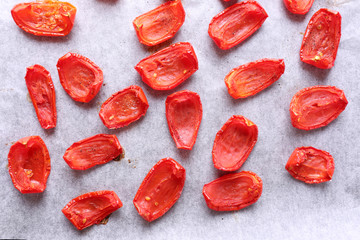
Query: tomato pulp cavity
(298, 6)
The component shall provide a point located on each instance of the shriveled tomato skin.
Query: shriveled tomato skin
(91, 208)
(298, 6)
(311, 165)
(251, 78)
(321, 39)
(233, 143)
(160, 24)
(233, 191)
(236, 23)
(45, 18)
(29, 164)
(42, 93)
(160, 189)
(169, 67)
(183, 115)
(316, 106)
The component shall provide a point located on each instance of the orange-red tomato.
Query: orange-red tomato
(79, 76)
(251, 78)
(298, 6)
(311, 165)
(236, 23)
(124, 107)
(168, 67)
(233, 143)
(29, 164)
(233, 191)
(316, 106)
(160, 24)
(321, 39)
(92, 151)
(160, 189)
(91, 208)
(45, 18)
(42, 94)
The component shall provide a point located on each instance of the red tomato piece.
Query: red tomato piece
(316, 106)
(160, 189)
(79, 76)
(92, 151)
(311, 165)
(42, 94)
(298, 6)
(233, 143)
(233, 191)
(45, 18)
(91, 208)
(124, 107)
(321, 39)
(169, 67)
(160, 24)
(236, 23)
(251, 78)
(29, 164)
(184, 114)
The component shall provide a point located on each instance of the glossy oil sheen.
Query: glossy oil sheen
(298, 6)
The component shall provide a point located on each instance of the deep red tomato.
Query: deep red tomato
(45, 18)
(91, 208)
(79, 76)
(233, 191)
(168, 67)
(321, 39)
(184, 114)
(298, 6)
(29, 164)
(124, 107)
(42, 94)
(316, 106)
(233, 143)
(160, 189)
(92, 151)
(251, 78)
(311, 165)
(236, 23)
(160, 24)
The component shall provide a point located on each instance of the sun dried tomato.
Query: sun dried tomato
(29, 164)
(91, 208)
(321, 39)
(311, 165)
(251, 78)
(184, 114)
(233, 191)
(160, 24)
(42, 94)
(160, 189)
(168, 67)
(45, 18)
(316, 106)
(298, 6)
(236, 23)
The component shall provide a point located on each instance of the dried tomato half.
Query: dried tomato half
(321, 39)
(316, 106)
(310, 165)
(184, 114)
(79, 76)
(298, 6)
(42, 94)
(168, 67)
(233, 143)
(29, 164)
(91, 208)
(124, 107)
(160, 189)
(160, 24)
(251, 78)
(45, 18)
(233, 191)
(236, 23)
(92, 151)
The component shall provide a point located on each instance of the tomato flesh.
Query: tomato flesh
(298, 6)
